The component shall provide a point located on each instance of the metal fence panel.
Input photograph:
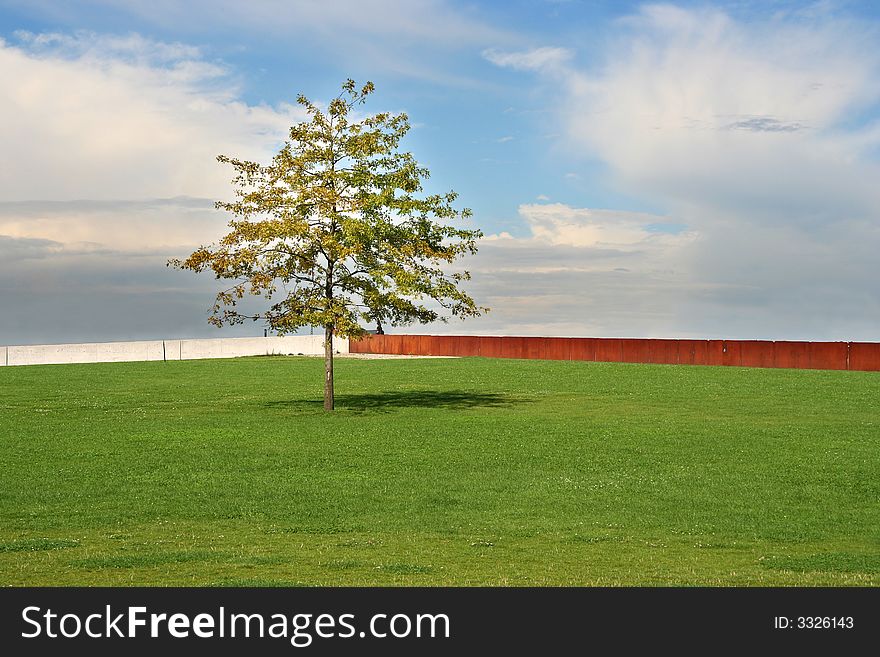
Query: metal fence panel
(691, 352)
(609, 350)
(715, 352)
(535, 348)
(747, 353)
(490, 347)
(634, 350)
(359, 346)
(557, 348)
(791, 354)
(864, 356)
(513, 347)
(828, 355)
(583, 348)
(663, 352)
(468, 345)
(756, 353)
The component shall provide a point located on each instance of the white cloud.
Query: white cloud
(409, 39)
(415, 21)
(130, 127)
(560, 224)
(546, 58)
(693, 106)
(158, 226)
(96, 270)
(757, 136)
(99, 117)
(584, 272)
(762, 138)
(130, 47)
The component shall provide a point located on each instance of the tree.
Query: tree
(334, 231)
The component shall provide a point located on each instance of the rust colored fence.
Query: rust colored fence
(739, 353)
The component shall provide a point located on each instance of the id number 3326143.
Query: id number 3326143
(814, 623)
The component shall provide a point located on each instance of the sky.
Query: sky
(677, 170)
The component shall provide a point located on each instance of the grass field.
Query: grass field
(438, 472)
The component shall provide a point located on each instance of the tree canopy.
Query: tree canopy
(335, 231)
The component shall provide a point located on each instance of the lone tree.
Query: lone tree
(333, 231)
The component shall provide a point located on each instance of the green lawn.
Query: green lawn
(438, 472)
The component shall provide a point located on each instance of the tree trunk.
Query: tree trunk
(328, 368)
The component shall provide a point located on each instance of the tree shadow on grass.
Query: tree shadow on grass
(390, 400)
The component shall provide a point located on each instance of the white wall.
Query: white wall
(108, 352)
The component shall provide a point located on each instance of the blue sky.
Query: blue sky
(687, 169)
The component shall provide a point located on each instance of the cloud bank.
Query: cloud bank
(105, 117)
(756, 144)
(114, 171)
(761, 139)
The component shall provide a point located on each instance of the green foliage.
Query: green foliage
(335, 232)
